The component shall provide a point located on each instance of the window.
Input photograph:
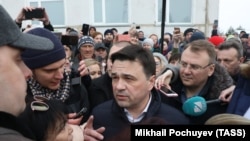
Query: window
(54, 9)
(110, 11)
(177, 11)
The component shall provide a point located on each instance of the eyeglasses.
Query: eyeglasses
(192, 66)
(38, 104)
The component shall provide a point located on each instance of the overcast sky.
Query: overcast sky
(234, 13)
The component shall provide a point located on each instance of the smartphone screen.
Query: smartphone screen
(85, 29)
(168, 92)
(35, 13)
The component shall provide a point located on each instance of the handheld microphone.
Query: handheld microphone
(197, 105)
(213, 101)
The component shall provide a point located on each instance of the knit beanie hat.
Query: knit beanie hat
(148, 41)
(216, 40)
(197, 36)
(188, 30)
(108, 31)
(37, 58)
(162, 57)
(85, 40)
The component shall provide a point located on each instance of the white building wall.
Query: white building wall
(142, 12)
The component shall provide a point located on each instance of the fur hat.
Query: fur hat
(37, 58)
(148, 41)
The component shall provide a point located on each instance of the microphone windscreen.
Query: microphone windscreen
(194, 106)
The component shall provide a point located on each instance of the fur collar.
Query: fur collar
(245, 70)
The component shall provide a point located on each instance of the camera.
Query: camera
(35, 13)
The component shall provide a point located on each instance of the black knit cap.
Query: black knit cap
(36, 58)
(108, 31)
(188, 30)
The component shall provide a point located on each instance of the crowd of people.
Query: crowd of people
(117, 78)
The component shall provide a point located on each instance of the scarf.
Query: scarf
(62, 93)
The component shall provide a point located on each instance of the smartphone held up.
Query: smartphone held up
(35, 13)
(168, 92)
(177, 30)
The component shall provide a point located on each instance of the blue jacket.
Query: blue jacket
(240, 101)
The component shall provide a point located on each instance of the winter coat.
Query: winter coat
(240, 101)
(216, 83)
(11, 129)
(114, 119)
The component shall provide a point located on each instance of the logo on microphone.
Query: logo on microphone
(194, 106)
(197, 106)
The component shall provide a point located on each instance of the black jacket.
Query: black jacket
(78, 98)
(113, 118)
(100, 90)
(12, 128)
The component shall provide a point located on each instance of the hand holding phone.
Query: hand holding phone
(81, 112)
(168, 92)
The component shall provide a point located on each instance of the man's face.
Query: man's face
(188, 36)
(12, 79)
(131, 87)
(101, 52)
(109, 37)
(195, 72)
(87, 51)
(228, 58)
(50, 76)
